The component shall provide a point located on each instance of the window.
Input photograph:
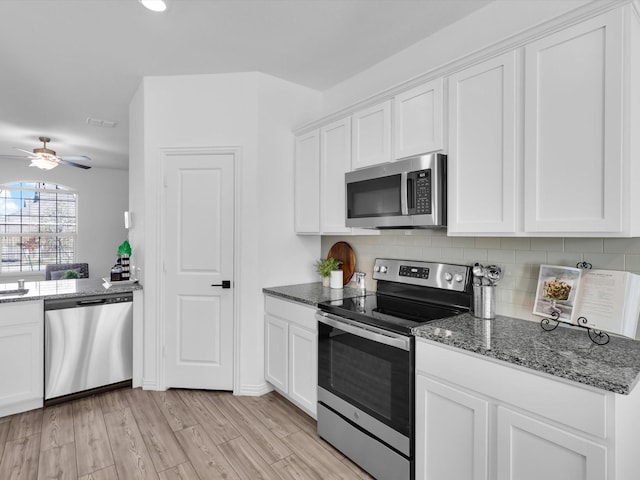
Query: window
(37, 226)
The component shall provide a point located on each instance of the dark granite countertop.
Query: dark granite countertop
(565, 352)
(53, 289)
(311, 293)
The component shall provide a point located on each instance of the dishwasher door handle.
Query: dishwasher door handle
(84, 303)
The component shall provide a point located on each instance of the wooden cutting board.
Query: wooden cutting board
(342, 251)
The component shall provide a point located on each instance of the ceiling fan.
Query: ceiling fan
(46, 159)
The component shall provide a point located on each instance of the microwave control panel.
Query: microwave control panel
(423, 192)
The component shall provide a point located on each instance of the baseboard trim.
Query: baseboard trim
(253, 390)
(151, 385)
(22, 406)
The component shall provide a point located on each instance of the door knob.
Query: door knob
(224, 284)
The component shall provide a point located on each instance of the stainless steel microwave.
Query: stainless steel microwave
(409, 193)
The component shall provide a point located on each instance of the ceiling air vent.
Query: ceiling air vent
(97, 122)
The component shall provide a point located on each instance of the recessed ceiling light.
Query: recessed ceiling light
(154, 5)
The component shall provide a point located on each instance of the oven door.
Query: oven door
(370, 369)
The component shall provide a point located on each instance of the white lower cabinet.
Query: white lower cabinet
(479, 418)
(303, 377)
(530, 449)
(21, 356)
(452, 432)
(290, 350)
(276, 365)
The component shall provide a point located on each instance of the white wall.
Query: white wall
(519, 258)
(491, 24)
(252, 111)
(102, 199)
(136, 180)
(137, 238)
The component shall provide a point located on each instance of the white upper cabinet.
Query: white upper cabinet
(417, 115)
(543, 146)
(322, 158)
(307, 183)
(482, 161)
(371, 136)
(541, 140)
(574, 159)
(335, 161)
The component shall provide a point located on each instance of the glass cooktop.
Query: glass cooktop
(387, 311)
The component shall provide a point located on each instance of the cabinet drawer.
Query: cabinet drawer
(292, 312)
(581, 408)
(21, 313)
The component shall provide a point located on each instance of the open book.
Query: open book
(608, 299)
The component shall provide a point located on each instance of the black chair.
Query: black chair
(56, 271)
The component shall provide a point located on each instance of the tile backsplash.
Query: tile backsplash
(519, 257)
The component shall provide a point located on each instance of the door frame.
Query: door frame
(166, 152)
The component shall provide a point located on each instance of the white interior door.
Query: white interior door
(198, 256)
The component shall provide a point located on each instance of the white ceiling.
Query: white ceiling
(65, 60)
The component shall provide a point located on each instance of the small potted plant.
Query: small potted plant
(325, 266)
(70, 274)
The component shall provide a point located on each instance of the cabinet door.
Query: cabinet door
(451, 433)
(528, 449)
(418, 120)
(21, 356)
(573, 130)
(303, 370)
(335, 162)
(307, 183)
(482, 161)
(372, 136)
(276, 350)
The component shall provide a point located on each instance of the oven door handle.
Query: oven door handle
(368, 332)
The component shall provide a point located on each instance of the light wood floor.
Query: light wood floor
(177, 434)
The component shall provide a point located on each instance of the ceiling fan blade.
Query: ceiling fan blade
(25, 151)
(72, 164)
(16, 157)
(82, 158)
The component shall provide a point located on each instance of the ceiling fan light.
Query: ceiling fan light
(154, 5)
(43, 163)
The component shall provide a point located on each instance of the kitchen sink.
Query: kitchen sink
(15, 291)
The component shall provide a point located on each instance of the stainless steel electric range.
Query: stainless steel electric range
(366, 361)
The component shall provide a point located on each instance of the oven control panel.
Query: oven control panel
(413, 272)
(428, 274)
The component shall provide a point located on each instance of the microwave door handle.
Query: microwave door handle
(404, 200)
(411, 195)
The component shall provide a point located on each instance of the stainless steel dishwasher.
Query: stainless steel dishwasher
(88, 345)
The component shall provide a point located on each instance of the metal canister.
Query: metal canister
(360, 285)
(484, 301)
